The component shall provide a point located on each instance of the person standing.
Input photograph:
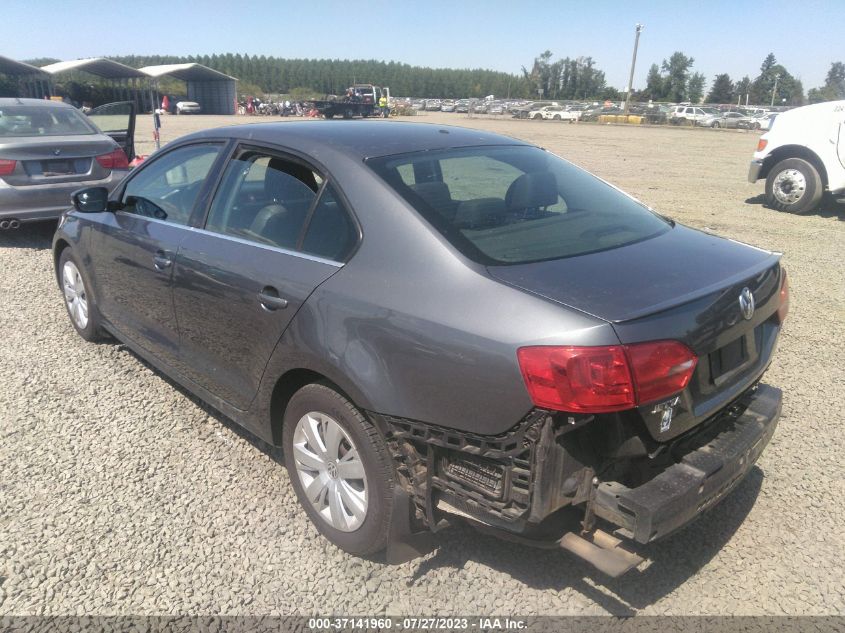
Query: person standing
(382, 104)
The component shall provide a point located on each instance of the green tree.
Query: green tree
(834, 85)
(653, 84)
(695, 87)
(775, 81)
(743, 88)
(722, 90)
(676, 82)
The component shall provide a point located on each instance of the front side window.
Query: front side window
(516, 204)
(264, 198)
(168, 187)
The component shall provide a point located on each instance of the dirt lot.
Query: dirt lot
(121, 494)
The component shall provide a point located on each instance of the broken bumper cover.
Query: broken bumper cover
(700, 480)
(754, 170)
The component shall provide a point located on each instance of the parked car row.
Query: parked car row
(724, 116)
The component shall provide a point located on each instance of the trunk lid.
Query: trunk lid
(56, 159)
(683, 285)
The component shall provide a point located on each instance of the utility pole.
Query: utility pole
(775, 89)
(639, 29)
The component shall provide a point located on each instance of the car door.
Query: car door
(240, 280)
(117, 120)
(134, 248)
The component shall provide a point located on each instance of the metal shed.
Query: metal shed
(127, 83)
(214, 91)
(33, 81)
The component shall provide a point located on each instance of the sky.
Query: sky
(722, 36)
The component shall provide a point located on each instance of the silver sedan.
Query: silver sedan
(48, 150)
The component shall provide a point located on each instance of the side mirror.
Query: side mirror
(91, 200)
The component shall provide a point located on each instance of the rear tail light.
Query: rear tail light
(761, 144)
(6, 166)
(783, 298)
(114, 160)
(605, 379)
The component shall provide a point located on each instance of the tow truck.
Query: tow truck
(360, 100)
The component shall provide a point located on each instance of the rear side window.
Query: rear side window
(514, 205)
(23, 120)
(268, 199)
(265, 199)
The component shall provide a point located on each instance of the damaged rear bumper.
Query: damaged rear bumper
(513, 483)
(701, 479)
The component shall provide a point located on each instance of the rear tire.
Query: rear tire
(794, 186)
(716, 124)
(80, 304)
(309, 419)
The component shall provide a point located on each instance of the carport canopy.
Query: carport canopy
(186, 72)
(100, 66)
(213, 90)
(13, 67)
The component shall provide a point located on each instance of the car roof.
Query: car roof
(45, 103)
(363, 139)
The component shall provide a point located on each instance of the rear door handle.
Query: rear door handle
(162, 260)
(270, 300)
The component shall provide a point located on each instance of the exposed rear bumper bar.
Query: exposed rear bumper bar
(700, 480)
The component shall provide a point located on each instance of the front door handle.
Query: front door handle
(162, 260)
(270, 300)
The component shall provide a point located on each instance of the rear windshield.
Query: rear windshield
(23, 120)
(514, 205)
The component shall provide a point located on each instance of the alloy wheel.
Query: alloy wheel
(75, 295)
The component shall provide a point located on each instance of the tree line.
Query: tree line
(674, 81)
(274, 75)
(567, 78)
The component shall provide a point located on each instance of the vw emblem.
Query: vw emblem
(746, 303)
(57, 151)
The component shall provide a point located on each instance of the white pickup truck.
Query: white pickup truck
(802, 156)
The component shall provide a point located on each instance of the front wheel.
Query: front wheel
(716, 124)
(80, 305)
(340, 469)
(794, 185)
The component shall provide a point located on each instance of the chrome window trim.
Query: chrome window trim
(239, 240)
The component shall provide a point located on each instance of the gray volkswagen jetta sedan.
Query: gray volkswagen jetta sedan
(439, 324)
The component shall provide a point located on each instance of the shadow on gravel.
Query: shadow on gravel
(829, 208)
(673, 560)
(36, 235)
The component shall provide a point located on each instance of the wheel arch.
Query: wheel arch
(794, 151)
(58, 249)
(292, 381)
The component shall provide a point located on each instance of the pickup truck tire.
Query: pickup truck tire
(794, 186)
(362, 499)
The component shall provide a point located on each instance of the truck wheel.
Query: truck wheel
(794, 185)
(340, 468)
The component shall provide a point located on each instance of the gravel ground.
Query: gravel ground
(120, 494)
